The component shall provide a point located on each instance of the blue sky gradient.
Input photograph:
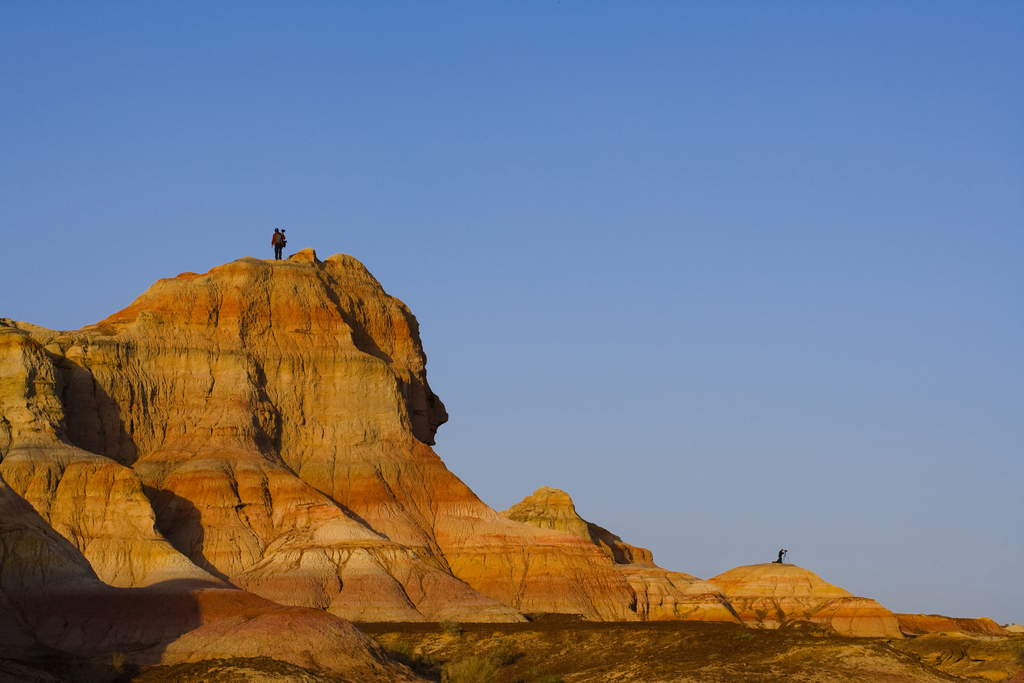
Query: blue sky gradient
(737, 276)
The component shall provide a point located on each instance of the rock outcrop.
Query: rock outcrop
(660, 594)
(268, 424)
(89, 499)
(550, 508)
(919, 624)
(52, 600)
(773, 595)
(252, 446)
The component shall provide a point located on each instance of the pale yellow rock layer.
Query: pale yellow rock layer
(92, 501)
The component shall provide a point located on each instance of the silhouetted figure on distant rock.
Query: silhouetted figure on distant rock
(782, 553)
(278, 241)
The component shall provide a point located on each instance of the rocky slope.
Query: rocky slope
(52, 605)
(772, 595)
(919, 624)
(660, 594)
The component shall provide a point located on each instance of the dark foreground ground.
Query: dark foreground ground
(552, 649)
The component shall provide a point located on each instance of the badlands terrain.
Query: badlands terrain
(233, 479)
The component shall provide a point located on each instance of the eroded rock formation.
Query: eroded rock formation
(268, 425)
(51, 600)
(660, 594)
(772, 595)
(254, 443)
(919, 624)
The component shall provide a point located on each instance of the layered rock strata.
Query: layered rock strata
(660, 594)
(52, 601)
(773, 595)
(919, 624)
(268, 424)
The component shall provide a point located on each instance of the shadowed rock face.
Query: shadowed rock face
(50, 597)
(771, 595)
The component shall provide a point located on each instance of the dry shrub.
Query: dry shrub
(401, 652)
(503, 653)
(451, 628)
(470, 670)
(423, 664)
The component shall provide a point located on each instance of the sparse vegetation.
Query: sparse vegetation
(469, 670)
(401, 652)
(553, 651)
(423, 664)
(1018, 651)
(451, 628)
(101, 670)
(503, 653)
(237, 670)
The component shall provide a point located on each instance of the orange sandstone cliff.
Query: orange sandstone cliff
(257, 439)
(267, 426)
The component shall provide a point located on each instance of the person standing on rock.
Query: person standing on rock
(278, 241)
(782, 554)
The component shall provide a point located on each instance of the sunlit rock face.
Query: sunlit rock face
(268, 424)
(772, 595)
(660, 594)
(95, 503)
(550, 508)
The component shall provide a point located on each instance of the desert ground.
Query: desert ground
(555, 648)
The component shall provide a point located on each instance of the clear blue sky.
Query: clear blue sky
(737, 276)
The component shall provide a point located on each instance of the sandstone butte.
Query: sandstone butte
(248, 452)
(772, 595)
(660, 594)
